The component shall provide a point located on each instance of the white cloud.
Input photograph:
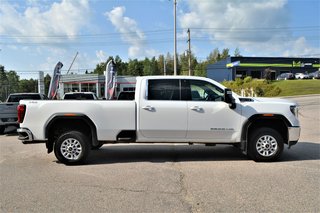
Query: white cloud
(130, 32)
(101, 55)
(35, 25)
(250, 25)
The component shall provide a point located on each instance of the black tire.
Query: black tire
(2, 128)
(72, 148)
(265, 144)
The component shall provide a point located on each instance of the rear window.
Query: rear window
(164, 89)
(78, 97)
(17, 98)
(126, 96)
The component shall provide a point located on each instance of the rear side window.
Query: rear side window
(164, 89)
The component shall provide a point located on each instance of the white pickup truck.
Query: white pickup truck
(166, 109)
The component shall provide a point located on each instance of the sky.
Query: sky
(36, 34)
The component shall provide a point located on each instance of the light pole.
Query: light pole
(189, 51)
(175, 40)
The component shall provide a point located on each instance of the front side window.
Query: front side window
(205, 91)
(164, 89)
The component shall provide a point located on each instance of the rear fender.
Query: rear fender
(60, 123)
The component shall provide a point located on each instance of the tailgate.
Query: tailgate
(8, 108)
(8, 113)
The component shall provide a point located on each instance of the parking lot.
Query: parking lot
(165, 178)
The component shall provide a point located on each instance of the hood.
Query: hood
(274, 100)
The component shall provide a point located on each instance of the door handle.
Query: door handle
(196, 108)
(149, 108)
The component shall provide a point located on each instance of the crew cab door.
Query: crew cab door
(162, 114)
(209, 117)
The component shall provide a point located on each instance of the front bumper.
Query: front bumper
(293, 135)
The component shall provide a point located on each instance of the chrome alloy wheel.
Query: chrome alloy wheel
(267, 146)
(71, 149)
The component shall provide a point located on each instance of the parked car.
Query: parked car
(126, 96)
(80, 96)
(8, 109)
(315, 75)
(285, 76)
(302, 75)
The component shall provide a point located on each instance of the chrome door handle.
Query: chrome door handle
(149, 108)
(196, 108)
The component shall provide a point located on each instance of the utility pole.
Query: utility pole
(175, 40)
(164, 66)
(189, 51)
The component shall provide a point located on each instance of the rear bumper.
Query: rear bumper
(25, 135)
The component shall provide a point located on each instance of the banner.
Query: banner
(54, 84)
(110, 80)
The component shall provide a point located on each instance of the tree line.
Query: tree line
(163, 64)
(10, 81)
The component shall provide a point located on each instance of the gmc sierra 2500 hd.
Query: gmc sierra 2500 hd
(166, 109)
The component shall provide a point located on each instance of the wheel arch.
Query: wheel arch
(60, 123)
(275, 121)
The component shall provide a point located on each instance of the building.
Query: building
(93, 83)
(240, 67)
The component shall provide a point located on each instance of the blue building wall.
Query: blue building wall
(219, 71)
(256, 67)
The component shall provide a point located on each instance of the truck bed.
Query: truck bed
(109, 117)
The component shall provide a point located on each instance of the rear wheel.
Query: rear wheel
(72, 148)
(265, 144)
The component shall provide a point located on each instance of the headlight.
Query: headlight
(294, 109)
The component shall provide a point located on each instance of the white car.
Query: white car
(301, 76)
(80, 96)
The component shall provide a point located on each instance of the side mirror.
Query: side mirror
(229, 99)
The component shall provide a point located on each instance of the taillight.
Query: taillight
(21, 112)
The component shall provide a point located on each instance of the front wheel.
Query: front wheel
(72, 148)
(265, 144)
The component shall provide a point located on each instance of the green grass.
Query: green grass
(298, 87)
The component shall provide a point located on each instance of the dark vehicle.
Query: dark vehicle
(315, 75)
(8, 109)
(80, 96)
(16, 97)
(286, 76)
(126, 96)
